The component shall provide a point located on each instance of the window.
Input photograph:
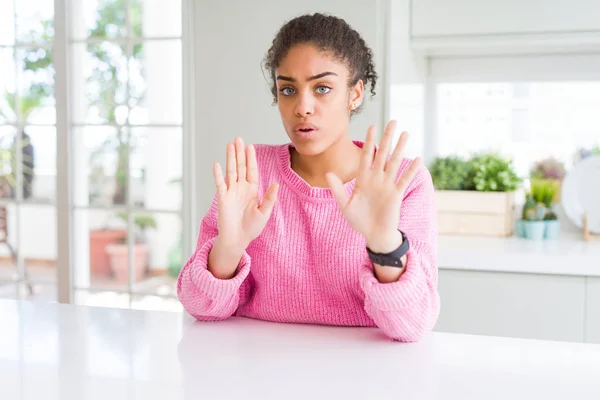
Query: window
(27, 150)
(126, 135)
(527, 107)
(527, 121)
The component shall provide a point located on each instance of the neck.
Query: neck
(341, 158)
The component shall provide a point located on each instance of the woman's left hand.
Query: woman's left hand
(373, 210)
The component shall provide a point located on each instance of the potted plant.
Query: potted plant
(118, 253)
(545, 191)
(549, 168)
(475, 196)
(531, 225)
(538, 220)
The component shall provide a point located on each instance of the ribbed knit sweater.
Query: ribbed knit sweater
(309, 266)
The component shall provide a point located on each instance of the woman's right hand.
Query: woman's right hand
(241, 215)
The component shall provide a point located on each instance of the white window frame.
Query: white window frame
(65, 206)
(509, 68)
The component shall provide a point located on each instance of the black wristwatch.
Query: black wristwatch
(393, 259)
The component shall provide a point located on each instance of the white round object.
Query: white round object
(580, 193)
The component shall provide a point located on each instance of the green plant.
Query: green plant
(36, 93)
(489, 172)
(530, 210)
(449, 173)
(544, 191)
(143, 222)
(114, 96)
(548, 168)
(8, 165)
(550, 216)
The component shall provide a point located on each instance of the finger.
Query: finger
(269, 200)
(396, 158)
(240, 155)
(338, 189)
(252, 174)
(219, 181)
(409, 174)
(231, 168)
(384, 148)
(366, 162)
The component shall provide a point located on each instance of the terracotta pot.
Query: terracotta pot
(99, 260)
(119, 260)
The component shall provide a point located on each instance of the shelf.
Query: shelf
(568, 255)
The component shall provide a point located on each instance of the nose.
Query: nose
(305, 105)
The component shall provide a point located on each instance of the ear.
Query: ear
(356, 95)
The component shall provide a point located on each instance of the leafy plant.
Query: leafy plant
(548, 168)
(530, 209)
(112, 85)
(449, 173)
(489, 172)
(143, 222)
(36, 64)
(544, 191)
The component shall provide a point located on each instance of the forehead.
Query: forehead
(305, 60)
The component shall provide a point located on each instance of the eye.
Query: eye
(286, 91)
(323, 89)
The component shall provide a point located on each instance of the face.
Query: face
(314, 99)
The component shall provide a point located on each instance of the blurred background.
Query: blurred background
(127, 103)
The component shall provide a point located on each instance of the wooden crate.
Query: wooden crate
(475, 213)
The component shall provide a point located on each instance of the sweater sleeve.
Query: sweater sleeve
(408, 309)
(202, 295)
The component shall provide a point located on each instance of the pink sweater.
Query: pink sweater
(309, 266)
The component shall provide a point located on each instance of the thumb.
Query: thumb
(269, 201)
(337, 187)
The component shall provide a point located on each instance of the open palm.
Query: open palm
(241, 216)
(373, 210)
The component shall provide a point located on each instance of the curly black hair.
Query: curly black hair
(329, 34)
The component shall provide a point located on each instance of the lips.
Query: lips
(305, 129)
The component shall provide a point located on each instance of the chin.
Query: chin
(309, 147)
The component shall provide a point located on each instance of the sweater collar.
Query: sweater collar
(299, 184)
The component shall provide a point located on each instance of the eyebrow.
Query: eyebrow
(312, 78)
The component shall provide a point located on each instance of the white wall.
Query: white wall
(232, 96)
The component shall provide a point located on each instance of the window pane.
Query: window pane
(99, 19)
(34, 21)
(101, 165)
(526, 121)
(7, 23)
(36, 86)
(8, 177)
(157, 256)
(95, 231)
(7, 86)
(156, 18)
(154, 99)
(100, 83)
(156, 168)
(39, 163)
(37, 244)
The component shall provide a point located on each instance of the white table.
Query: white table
(50, 351)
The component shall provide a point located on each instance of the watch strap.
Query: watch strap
(394, 258)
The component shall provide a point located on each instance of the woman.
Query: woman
(324, 229)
